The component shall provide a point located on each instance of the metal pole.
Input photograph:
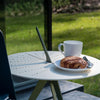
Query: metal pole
(48, 24)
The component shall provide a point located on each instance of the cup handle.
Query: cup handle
(59, 48)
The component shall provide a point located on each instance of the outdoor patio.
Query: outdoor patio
(24, 49)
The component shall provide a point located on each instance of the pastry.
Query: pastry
(73, 62)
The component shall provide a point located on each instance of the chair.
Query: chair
(6, 84)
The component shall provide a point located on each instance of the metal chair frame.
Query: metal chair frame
(6, 83)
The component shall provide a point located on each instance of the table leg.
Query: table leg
(37, 89)
(53, 91)
(56, 90)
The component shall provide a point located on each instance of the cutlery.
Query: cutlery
(90, 65)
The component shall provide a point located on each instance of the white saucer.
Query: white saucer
(57, 64)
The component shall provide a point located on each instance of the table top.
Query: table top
(33, 65)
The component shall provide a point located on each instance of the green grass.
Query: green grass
(21, 36)
(21, 33)
(84, 27)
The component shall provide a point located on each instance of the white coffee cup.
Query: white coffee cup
(71, 48)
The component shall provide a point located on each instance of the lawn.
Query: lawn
(21, 36)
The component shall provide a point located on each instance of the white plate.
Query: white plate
(57, 64)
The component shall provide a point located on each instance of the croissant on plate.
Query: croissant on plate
(73, 62)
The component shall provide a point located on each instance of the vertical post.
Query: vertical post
(48, 24)
(2, 17)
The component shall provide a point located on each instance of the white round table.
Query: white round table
(33, 65)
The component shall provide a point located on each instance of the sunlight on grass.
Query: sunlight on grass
(21, 34)
(74, 22)
(84, 27)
